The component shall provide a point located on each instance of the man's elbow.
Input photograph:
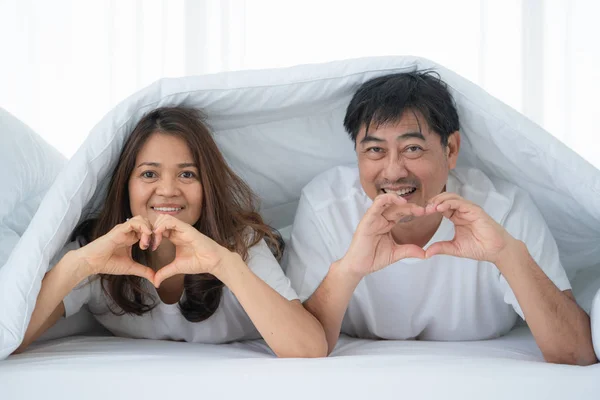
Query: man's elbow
(583, 356)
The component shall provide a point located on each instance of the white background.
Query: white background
(64, 64)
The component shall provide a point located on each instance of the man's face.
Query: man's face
(405, 157)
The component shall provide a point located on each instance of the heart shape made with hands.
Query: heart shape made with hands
(195, 253)
(477, 235)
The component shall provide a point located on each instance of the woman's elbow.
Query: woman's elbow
(315, 348)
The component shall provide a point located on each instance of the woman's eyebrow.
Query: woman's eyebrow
(150, 164)
(156, 165)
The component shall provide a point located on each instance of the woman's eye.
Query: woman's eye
(188, 175)
(148, 174)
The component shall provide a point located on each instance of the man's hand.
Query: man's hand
(477, 236)
(373, 247)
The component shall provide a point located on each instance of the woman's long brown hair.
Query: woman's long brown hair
(229, 214)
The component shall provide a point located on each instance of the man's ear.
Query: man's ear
(452, 149)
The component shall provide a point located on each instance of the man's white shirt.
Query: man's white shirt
(442, 298)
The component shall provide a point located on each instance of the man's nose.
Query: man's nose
(395, 169)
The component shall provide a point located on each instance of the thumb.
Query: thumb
(137, 269)
(407, 251)
(164, 273)
(440, 248)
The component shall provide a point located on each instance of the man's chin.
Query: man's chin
(407, 219)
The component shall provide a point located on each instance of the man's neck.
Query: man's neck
(419, 231)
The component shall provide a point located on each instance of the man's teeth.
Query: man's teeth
(167, 209)
(400, 192)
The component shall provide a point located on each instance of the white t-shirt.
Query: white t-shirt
(441, 298)
(229, 323)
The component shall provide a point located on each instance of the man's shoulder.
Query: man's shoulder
(335, 185)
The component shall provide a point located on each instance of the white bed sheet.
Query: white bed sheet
(107, 367)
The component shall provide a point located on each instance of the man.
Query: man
(406, 246)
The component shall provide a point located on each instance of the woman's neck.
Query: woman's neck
(170, 289)
(164, 255)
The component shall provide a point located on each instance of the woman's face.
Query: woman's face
(165, 180)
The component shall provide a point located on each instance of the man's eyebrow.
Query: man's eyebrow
(369, 138)
(408, 135)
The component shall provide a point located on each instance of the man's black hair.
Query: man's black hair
(383, 100)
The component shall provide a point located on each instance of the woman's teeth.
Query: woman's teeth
(166, 209)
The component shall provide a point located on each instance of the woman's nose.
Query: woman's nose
(167, 187)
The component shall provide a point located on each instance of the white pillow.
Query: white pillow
(28, 166)
(595, 318)
(280, 128)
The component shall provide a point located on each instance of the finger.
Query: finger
(165, 273)
(140, 224)
(156, 241)
(453, 208)
(124, 237)
(407, 251)
(439, 199)
(383, 202)
(174, 230)
(459, 205)
(137, 269)
(165, 223)
(439, 248)
(397, 213)
(145, 240)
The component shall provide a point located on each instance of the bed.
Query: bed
(104, 367)
(289, 118)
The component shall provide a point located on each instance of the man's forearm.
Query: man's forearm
(560, 327)
(330, 301)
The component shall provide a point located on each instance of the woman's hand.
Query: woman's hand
(111, 253)
(195, 253)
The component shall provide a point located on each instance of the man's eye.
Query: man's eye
(374, 150)
(188, 175)
(413, 149)
(148, 174)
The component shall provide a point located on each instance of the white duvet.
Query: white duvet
(278, 129)
(99, 368)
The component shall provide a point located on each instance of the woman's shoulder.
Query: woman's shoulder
(261, 256)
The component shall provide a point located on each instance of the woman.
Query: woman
(178, 251)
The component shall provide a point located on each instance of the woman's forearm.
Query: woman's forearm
(288, 329)
(49, 307)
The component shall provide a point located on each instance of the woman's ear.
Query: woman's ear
(452, 149)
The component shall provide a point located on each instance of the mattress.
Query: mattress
(107, 367)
